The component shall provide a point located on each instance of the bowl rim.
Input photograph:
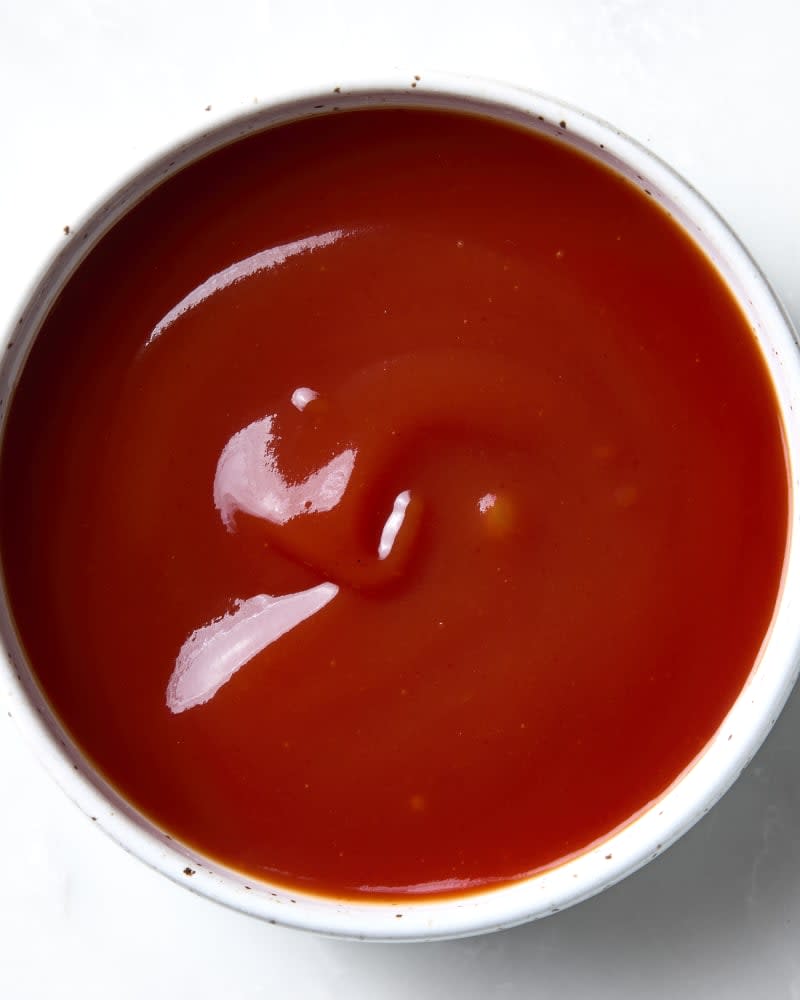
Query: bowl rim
(692, 794)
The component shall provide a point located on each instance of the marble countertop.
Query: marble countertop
(90, 90)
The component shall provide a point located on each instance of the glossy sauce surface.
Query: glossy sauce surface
(393, 502)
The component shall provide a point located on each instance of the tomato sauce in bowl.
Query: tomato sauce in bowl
(393, 502)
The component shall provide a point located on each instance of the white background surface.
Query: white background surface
(90, 88)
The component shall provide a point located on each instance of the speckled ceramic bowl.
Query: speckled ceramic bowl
(691, 795)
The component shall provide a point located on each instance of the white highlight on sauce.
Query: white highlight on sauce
(248, 479)
(262, 261)
(213, 653)
(487, 501)
(302, 397)
(443, 885)
(394, 522)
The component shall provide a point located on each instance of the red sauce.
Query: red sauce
(505, 337)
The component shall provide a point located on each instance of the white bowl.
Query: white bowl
(701, 784)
